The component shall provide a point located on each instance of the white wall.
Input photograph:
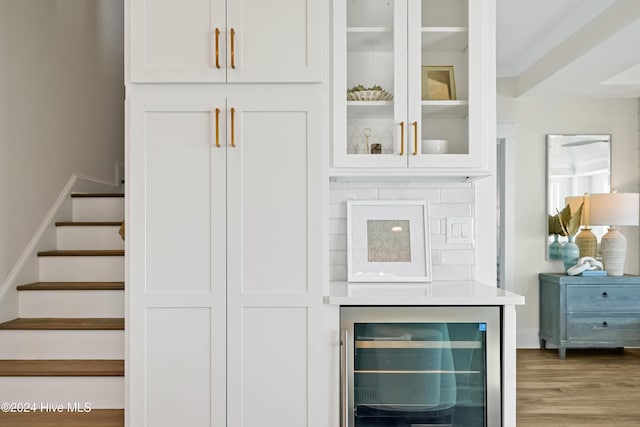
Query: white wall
(534, 118)
(61, 106)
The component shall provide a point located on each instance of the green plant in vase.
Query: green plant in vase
(555, 230)
(570, 224)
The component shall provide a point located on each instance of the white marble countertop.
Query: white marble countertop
(454, 293)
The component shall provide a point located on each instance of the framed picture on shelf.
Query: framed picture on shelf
(438, 83)
(388, 241)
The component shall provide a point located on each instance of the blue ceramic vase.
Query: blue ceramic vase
(555, 249)
(570, 254)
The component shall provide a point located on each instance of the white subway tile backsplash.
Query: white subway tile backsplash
(436, 256)
(338, 242)
(435, 226)
(458, 257)
(439, 242)
(338, 257)
(338, 210)
(444, 210)
(428, 194)
(450, 261)
(338, 226)
(452, 272)
(335, 185)
(456, 195)
(343, 194)
(338, 273)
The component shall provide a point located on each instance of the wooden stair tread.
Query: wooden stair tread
(97, 195)
(61, 368)
(92, 252)
(88, 223)
(95, 418)
(62, 323)
(72, 286)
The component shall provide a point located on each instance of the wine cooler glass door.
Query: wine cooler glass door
(410, 372)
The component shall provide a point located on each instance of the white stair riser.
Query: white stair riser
(61, 344)
(98, 208)
(99, 392)
(81, 268)
(71, 303)
(89, 237)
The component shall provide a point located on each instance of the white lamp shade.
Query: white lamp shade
(614, 209)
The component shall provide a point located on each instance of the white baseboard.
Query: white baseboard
(527, 338)
(26, 268)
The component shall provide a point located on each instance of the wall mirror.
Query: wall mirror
(576, 164)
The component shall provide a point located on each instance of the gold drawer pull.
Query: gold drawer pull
(217, 47)
(233, 127)
(233, 49)
(217, 127)
(415, 138)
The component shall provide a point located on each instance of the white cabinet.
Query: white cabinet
(225, 291)
(224, 41)
(431, 65)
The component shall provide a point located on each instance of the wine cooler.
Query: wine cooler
(420, 366)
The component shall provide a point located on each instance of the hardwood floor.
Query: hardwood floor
(589, 388)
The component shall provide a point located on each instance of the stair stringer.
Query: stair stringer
(25, 270)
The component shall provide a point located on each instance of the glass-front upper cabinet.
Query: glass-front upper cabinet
(414, 84)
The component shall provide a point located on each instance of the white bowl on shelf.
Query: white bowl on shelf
(434, 146)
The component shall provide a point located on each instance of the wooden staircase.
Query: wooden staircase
(61, 361)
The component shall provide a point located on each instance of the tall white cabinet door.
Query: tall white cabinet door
(177, 40)
(274, 41)
(274, 243)
(177, 262)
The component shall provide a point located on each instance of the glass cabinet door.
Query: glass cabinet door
(374, 85)
(414, 84)
(409, 374)
(438, 71)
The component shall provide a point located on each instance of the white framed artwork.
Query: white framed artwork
(388, 241)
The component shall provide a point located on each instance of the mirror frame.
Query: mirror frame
(578, 140)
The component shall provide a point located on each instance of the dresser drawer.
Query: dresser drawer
(610, 298)
(603, 328)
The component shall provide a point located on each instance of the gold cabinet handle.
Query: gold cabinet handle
(233, 127)
(415, 138)
(217, 127)
(402, 138)
(233, 50)
(217, 47)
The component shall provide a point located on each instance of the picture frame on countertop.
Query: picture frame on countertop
(438, 83)
(388, 241)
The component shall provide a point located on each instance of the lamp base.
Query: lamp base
(587, 242)
(613, 247)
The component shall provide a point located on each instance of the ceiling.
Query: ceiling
(570, 48)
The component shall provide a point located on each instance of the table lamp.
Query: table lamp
(614, 209)
(586, 240)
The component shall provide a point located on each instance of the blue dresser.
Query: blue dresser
(578, 311)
